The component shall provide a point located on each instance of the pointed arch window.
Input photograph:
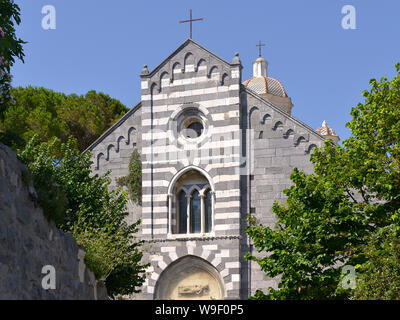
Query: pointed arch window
(191, 204)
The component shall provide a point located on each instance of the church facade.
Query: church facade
(214, 148)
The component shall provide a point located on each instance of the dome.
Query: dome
(260, 59)
(328, 132)
(269, 88)
(263, 85)
(325, 130)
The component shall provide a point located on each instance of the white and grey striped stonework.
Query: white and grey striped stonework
(192, 78)
(247, 152)
(222, 253)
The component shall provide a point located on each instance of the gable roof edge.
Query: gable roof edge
(277, 109)
(160, 65)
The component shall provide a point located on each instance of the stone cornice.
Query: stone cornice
(195, 239)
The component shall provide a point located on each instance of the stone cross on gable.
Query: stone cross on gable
(190, 21)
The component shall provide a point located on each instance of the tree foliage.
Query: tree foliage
(10, 48)
(82, 203)
(49, 114)
(379, 277)
(133, 181)
(330, 215)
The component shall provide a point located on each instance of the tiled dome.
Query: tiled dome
(264, 85)
(261, 83)
(328, 132)
(325, 130)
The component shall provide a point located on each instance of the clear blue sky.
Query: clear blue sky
(103, 45)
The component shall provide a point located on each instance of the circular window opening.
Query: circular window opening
(193, 129)
(191, 126)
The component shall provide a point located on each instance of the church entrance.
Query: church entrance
(190, 278)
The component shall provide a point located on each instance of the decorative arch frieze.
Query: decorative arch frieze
(266, 118)
(288, 133)
(175, 66)
(111, 146)
(189, 59)
(130, 132)
(212, 69)
(200, 63)
(163, 76)
(130, 140)
(299, 140)
(223, 78)
(98, 160)
(277, 125)
(119, 141)
(309, 148)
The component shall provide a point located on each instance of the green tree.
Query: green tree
(35, 113)
(88, 116)
(133, 181)
(82, 203)
(380, 276)
(330, 215)
(49, 114)
(10, 48)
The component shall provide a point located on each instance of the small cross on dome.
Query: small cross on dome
(259, 45)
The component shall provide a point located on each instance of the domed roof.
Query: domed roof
(261, 59)
(325, 130)
(263, 85)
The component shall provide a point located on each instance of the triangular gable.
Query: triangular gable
(180, 48)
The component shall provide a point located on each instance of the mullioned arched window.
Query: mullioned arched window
(191, 205)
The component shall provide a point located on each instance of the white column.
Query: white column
(170, 213)
(188, 213)
(203, 214)
(213, 200)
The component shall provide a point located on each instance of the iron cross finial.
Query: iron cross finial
(259, 45)
(190, 20)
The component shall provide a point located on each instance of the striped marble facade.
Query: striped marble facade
(246, 153)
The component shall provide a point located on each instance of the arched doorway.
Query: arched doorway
(190, 278)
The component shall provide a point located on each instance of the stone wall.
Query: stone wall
(28, 243)
(280, 143)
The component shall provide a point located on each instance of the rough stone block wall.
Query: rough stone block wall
(28, 242)
(280, 143)
(112, 152)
